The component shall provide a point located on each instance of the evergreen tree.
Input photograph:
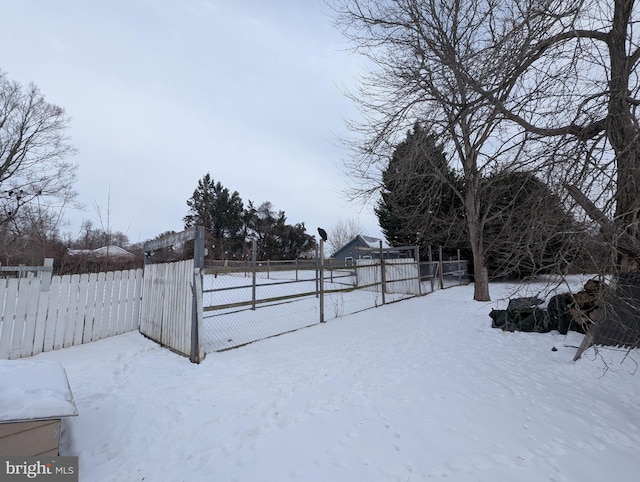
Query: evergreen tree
(420, 200)
(525, 227)
(527, 230)
(275, 238)
(220, 211)
(296, 243)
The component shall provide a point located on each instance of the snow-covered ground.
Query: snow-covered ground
(416, 390)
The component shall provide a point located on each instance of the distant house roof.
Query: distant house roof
(349, 250)
(371, 242)
(111, 250)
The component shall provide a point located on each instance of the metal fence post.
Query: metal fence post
(431, 273)
(196, 315)
(253, 270)
(441, 266)
(417, 254)
(317, 272)
(321, 281)
(384, 274)
(331, 268)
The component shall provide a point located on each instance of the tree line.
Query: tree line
(230, 227)
(527, 228)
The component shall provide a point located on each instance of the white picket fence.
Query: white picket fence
(72, 310)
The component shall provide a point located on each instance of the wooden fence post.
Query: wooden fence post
(46, 273)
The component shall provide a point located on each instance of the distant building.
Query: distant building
(112, 251)
(350, 252)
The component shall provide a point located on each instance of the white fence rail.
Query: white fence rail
(74, 309)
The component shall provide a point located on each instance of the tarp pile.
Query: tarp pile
(564, 312)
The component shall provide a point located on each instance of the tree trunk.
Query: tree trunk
(476, 239)
(481, 281)
(624, 134)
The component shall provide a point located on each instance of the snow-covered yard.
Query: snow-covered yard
(419, 389)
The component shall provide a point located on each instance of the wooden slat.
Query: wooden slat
(172, 334)
(28, 291)
(172, 275)
(145, 315)
(172, 279)
(113, 304)
(138, 300)
(131, 323)
(61, 312)
(106, 306)
(40, 321)
(72, 310)
(122, 302)
(52, 314)
(125, 304)
(19, 318)
(90, 309)
(181, 326)
(155, 303)
(9, 311)
(81, 309)
(96, 329)
(26, 348)
(148, 303)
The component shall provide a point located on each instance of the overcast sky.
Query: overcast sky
(161, 92)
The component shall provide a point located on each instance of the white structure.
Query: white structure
(111, 251)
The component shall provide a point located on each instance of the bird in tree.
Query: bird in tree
(322, 233)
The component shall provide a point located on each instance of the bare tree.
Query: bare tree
(575, 68)
(573, 85)
(426, 54)
(343, 232)
(32, 234)
(33, 150)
